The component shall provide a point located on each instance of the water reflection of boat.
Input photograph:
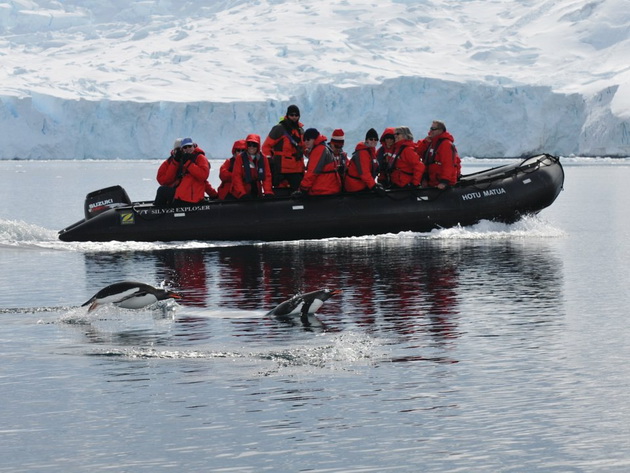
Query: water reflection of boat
(401, 286)
(504, 193)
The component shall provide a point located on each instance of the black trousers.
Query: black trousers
(164, 196)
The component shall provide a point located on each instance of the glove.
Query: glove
(379, 189)
(177, 156)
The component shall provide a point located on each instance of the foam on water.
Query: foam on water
(528, 227)
(18, 234)
(336, 352)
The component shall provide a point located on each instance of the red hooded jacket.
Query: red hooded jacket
(405, 167)
(225, 171)
(251, 172)
(322, 176)
(362, 170)
(189, 177)
(285, 146)
(441, 160)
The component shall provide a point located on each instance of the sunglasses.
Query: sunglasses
(187, 146)
(433, 128)
(252, 145)
(293, 115)
(372, 139)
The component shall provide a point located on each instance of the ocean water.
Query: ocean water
(490, 348)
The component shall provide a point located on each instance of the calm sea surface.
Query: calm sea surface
(492, 348)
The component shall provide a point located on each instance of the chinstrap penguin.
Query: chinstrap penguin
(129, 295)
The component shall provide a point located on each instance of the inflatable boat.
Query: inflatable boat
(503, 193)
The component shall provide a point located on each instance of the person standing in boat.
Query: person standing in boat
(284, 148)
(440, 157)
(337, 141)
(385, 154)
(363, 166)
(225, 171)
(405, 169)
(183, 176)
(251, 176)
(322, 173)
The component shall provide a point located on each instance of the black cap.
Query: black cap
(371, 133)
(293, 109)
(311, 134)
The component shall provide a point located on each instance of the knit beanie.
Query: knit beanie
(293, 109)
(371, 133)
(311, 134)
(337, 135)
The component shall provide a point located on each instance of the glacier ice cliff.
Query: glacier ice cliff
(486, 120)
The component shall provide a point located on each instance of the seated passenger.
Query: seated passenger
(337, 141)
(225, 171)
(405, 168)
(440, 157)
(251, 175)
(183, 176)
(385, 154)
(363, 167)
(322, 172)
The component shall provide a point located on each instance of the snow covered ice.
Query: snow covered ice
(123, 78)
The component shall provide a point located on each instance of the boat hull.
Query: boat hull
(505, 194)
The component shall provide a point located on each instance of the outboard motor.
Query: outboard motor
(104, 199)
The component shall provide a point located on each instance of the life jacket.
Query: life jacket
(391, 165)
(279, 148)
(255, 163)
(356, 159)
(323, 177)
(328, 157)
(429, 156)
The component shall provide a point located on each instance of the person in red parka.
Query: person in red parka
(385, 153)
(285, 150)
(225, 171)
(183, 176)
(440, 157)
(405, 168)
(337, 140)
(363, 167)
(251, 176)
(322, 172)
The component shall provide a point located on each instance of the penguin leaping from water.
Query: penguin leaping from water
(303, 304)
(129, 295)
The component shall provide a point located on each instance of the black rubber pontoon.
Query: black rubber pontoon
(503, 193)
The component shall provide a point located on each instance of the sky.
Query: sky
(94, 79)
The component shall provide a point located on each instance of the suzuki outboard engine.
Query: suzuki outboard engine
(104, 199)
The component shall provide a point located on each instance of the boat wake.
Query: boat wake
(22, 235)
(529, 226)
